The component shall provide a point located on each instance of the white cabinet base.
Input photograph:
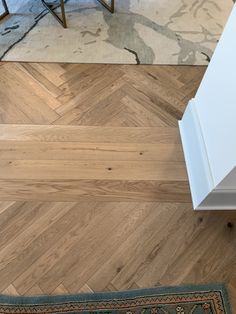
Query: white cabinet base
(208, 129)
(206, 194)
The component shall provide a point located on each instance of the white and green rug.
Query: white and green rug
(140, 31)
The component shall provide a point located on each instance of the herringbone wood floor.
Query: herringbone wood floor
(124, 217)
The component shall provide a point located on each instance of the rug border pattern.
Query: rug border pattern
(214, 293)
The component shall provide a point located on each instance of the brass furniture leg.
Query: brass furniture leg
(110, 7)
(62, 20)
(6, 12)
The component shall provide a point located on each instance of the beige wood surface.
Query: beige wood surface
(67, 222)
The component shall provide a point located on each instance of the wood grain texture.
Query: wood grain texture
(67, 223)
(29, 150)
(88, 134)
(105, 170)
(41, 153)
(104, 190)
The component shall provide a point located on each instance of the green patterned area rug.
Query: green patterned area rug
(204, 299)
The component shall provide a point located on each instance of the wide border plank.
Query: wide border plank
(97, 190)
(88, 134)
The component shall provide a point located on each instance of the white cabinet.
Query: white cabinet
(208, 129)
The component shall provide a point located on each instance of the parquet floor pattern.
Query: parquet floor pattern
(93, 187)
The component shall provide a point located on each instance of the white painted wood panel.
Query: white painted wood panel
(211, 160)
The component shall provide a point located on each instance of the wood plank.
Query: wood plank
(40, 78)
(5, 205)
(19, 94)
(19, 221)
(115, 226)
(106, 170)
(88, 134)
(13, 150)
(116, 234)
(138, 250)
(79, 223)
(98, 190)
(12, 255)
(11, 290)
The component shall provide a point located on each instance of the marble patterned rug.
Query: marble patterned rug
(140, 31)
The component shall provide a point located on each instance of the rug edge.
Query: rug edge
(50, 299)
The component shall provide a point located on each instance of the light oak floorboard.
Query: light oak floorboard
(93, 188)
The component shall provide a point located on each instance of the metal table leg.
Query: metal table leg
(61, 20)
(6, 12)
(110, 7)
